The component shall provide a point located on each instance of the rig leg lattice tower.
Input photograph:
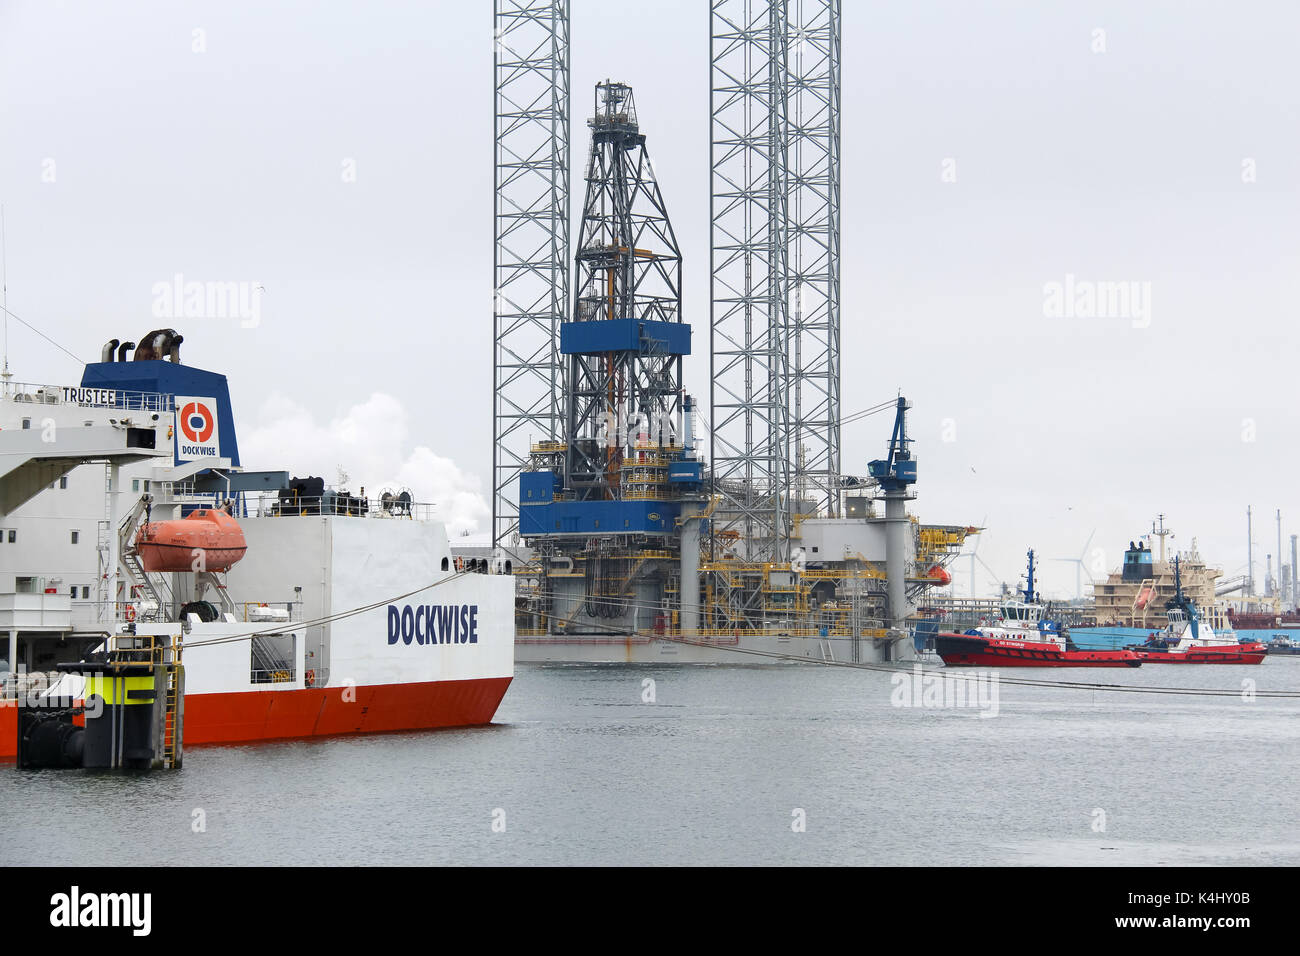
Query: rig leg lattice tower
(775, 265)
(531, 233)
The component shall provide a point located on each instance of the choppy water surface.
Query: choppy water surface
(581, 769)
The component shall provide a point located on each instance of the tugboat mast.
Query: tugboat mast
(1029, 579)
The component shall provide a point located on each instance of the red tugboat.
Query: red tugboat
(1188, 640)
(1023, 639)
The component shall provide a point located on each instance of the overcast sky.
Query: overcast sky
(1163, 150)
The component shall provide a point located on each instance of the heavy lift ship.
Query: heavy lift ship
(282, 595)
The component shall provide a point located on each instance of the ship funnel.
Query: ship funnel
(159, 344)
(106, 354)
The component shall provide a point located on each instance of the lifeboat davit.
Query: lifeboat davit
(177, 545)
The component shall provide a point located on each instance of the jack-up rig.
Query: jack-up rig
(639, 551)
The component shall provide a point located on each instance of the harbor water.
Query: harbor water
(746, 764)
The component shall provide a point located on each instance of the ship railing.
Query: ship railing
(647, 494)
(37, 394)
(272, 675)
(339, 504)
(155, 650)
(138, 606)
(250, 609)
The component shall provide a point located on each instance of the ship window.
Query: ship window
(135, 484)
(13, 535)
(63, 482)
(27, 423)
(85, 592)
(444, 564)
(25, 585)
(76, 535)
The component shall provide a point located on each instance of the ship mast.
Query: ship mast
(1250, 557)
(1161, 532)
(1029, 579)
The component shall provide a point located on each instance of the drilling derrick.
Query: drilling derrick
(607, 507)
(623, 350)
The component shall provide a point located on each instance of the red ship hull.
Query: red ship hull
(246, 717)
(1245, 620)
(1242, 654)
(967, 650)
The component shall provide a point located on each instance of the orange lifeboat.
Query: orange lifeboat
(177, 545)
(939, 575)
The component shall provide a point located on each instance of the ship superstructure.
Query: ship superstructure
(302, 610)
(1138, 593)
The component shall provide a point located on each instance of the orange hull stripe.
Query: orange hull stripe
(321, 712)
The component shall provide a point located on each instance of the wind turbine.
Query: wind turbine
(1079, 566)
(973, 554)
